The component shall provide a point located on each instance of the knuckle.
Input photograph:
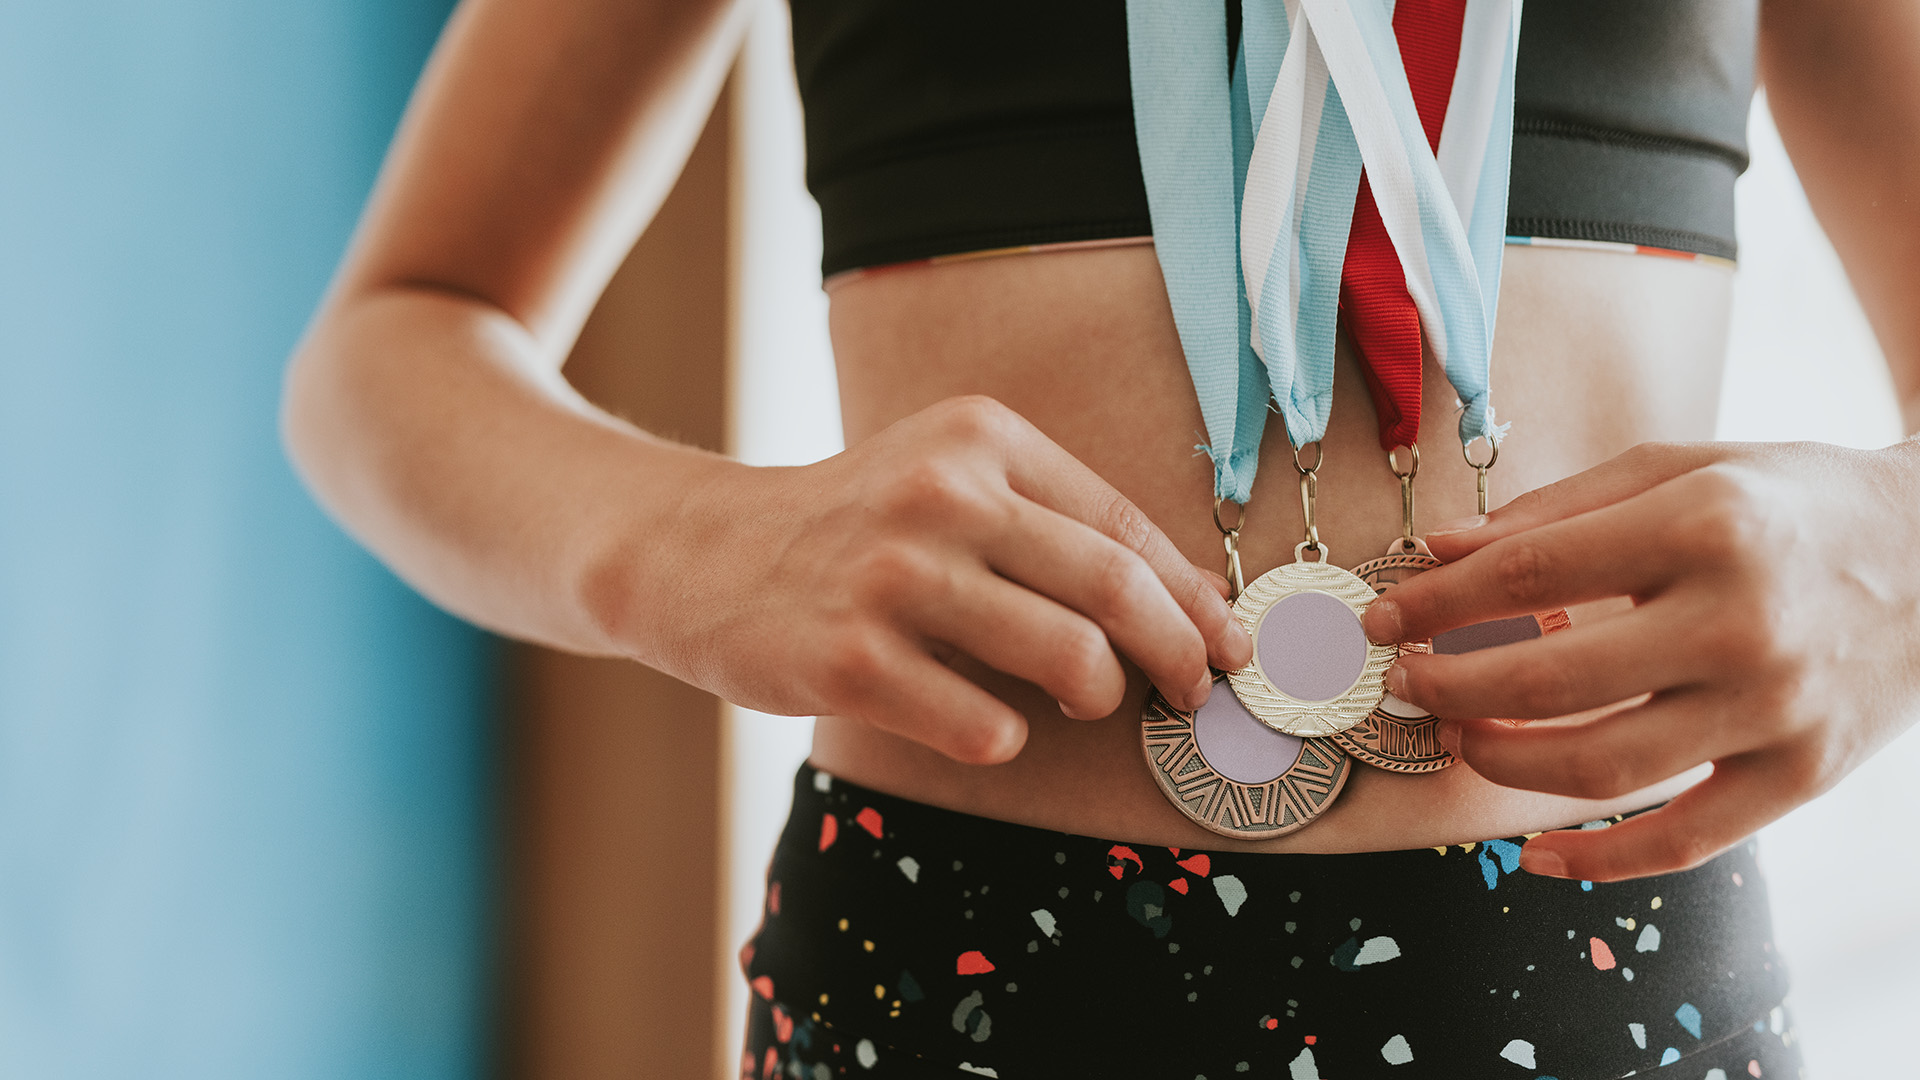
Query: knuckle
(1526, 573)
(975, 418)
(1544, 690)
(854, 662)
(889, 571)
(1118, 583)
(1124, 522)
(1595, 772)
(935, 487)
(981, 742)
(1728, 519)
(1080, 658)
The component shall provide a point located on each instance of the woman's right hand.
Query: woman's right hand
(844, 587)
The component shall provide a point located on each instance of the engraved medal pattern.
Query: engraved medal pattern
(1320, 584)
(1172, 741)
(1396, 736)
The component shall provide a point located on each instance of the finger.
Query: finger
(1112, 585)
(1028, 636)
(1047, 474)
(1606, 758)
(1743, 794)
(1600, 554)
(898, 688)
(1639, 469)
(1559, 674)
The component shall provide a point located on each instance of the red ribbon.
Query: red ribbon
(1375, 307)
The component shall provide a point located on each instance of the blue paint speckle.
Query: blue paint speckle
(1508, 854)
(1670, 1056)
(1689, 1018)
(1586, 886)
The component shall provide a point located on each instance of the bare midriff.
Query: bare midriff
(1597, 351)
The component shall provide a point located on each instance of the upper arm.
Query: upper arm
(1843, 81)
(542, 136)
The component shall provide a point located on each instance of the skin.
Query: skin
(976, 594)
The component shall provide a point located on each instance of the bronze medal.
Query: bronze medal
(1400, 737)
(1231, 774)
(1396, 736)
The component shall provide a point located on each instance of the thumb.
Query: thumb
(1645, 466)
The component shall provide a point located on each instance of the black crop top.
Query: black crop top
(935, 127)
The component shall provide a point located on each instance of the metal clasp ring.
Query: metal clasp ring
(1407, 543)
(1230, 537)
(1466, 451)
(1310, 495)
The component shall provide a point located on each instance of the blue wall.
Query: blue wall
(244, 824)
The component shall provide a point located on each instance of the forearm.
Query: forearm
(1843, 82)
(433, 428)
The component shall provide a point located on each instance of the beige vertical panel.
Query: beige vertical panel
(614, 807)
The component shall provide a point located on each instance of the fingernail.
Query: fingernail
(1069, 713)
(1201, 693)
(1397, 681)
(1235, 643)
(1448, 732)
(1536, 860)
(1382, 622)
(1458, 525)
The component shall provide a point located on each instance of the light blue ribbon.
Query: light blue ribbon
(1198, 120)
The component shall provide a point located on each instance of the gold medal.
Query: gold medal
(1230, 773)
(1313, 671)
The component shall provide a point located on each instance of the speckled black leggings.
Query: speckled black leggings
(902, 940)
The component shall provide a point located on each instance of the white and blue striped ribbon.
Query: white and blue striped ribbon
(1324, 93)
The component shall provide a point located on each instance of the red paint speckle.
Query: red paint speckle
(869, 819)
(771, 1066)
(829, 831)
(1601, 954)
(1738, 880)
(972, 962)
(1311, 1039)
(1198, 866)
(746, 955)
(764, 987)
(782, 1025)
(1753, 1068)
(1178, 885)
(1120, 854)
(773, 894)
(1272, 1023)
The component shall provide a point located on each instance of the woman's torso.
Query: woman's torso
(1596, 351)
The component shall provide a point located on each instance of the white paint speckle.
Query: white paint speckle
(1649, 939)
(863, 1052)
(1639, 1033)
(910, 866)
(1627, 973)
(1376, 950)
(1043, 919)
(1302, 1067)
(1232, 892)
(1716, 1074)
(1397, 1052)
(978, 1070)
(822, 782)
(1520, 1052)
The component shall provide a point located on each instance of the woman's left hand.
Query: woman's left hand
(1775, 633)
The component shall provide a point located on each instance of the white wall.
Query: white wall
(1844, 903)
(1846, 886)
(785, 412)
